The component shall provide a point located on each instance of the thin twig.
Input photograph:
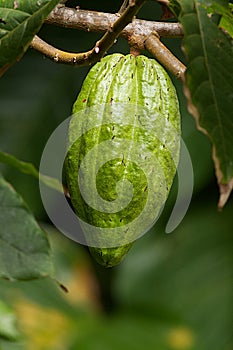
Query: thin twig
(123, 6)
(93, 21)
(164, 56)
(60, 56)
(101, 47)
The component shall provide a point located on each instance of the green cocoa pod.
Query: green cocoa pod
(124, 140)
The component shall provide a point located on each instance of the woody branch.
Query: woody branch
(113, 25)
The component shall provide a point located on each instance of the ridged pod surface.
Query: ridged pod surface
(131, 99)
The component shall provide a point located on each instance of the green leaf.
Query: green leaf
(209, 84)
(29, 169)
(226, 22)
(19, 22)
(8, 328)
(24, 248)
(226, 13)
(175, 7)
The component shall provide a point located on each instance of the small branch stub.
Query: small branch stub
(97, 49)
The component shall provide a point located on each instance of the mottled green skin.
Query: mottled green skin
(123, 79)
(110, 257)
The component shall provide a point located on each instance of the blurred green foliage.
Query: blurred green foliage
(172, 292)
